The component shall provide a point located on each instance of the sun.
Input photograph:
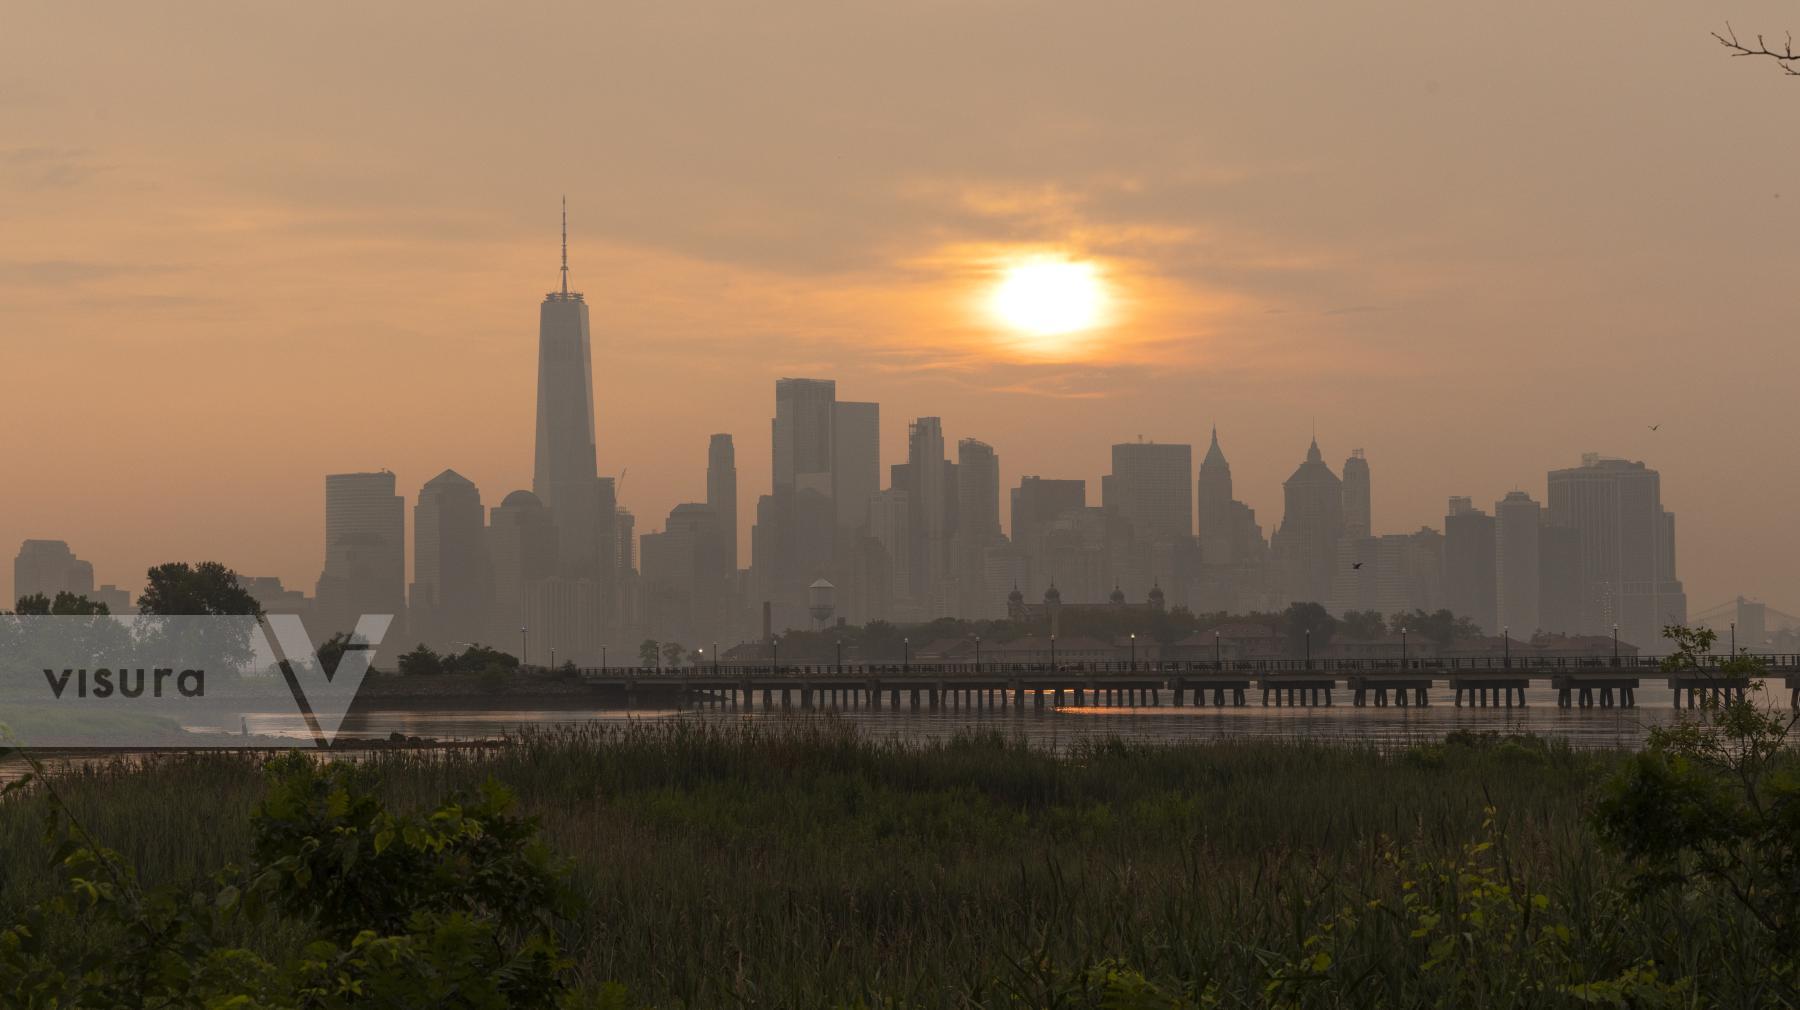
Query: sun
(1050, 297)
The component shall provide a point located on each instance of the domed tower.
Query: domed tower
(1156, 598)
(1053, 607)
(1118, 596)
(1015, 604)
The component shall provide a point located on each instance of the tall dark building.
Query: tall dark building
(855, 462)
(1311, 524)
(1037, 504)
(801, 434)
(1229, 534)
(563, 477)
(1149, 501)
(365, 551)
(1559, 578)
(48, 567)
(1358, 521)
(1518, 521)
(449, 599)
(721, 494)
(977, 528)
(1627, 548)
(929, 480)
(1150, 488)
(1469, 579)
(522, 553)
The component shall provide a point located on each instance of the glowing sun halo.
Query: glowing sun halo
(1050, 297)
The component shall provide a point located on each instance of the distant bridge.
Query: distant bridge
(1497, 681)
(1745, 620)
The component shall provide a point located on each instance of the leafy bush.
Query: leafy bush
(452, 908)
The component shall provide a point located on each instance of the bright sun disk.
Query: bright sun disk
(1048, 297)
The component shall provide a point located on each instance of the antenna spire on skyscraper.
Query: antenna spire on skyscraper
(565, 246)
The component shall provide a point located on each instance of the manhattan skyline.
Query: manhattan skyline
(200, 355)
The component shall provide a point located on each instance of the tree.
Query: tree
(1441, 627)
(65, 605)
(1785, 57)
(1302, 618)
(420, 662)
(478, 658)
(673, 653)
(649, 652)
(1367, 625)
(206, 588)
(1714, 800)
(460, 908)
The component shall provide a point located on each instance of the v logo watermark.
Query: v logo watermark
(324, 697)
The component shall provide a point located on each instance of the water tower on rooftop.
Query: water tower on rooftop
(821, 602)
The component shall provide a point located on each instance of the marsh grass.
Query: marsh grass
(804, 865)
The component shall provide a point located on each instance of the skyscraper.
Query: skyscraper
(855, 461)
(1357, 520)
(926, 479)
(890, 523)
(1518, 519)
(1037, 503)
(1627, 547)
(1149, 496)
(795, 533)
(1214, 498)
(1311, 523)
(721, 494)
(1469, 579)
(49, 567)
(684, 572)
(365, 551)
(977, 492)
(564, 475)
(449, 599)
(1229, 533)
(977, 528)
(522, 551)
(801, 435)
(1150, 488)
(1559, 578)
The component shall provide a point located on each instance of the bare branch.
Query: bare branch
(1785, 57)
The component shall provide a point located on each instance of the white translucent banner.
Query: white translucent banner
(142, 681)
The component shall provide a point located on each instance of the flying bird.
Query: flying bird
(1655, 426)
(1356, 564)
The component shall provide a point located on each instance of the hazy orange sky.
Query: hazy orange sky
(244, 246)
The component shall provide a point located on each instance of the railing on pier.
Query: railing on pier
(1777, 665)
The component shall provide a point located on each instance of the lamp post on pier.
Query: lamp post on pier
(1615, 645)
(1134, 651)
(1052, 653)
(1309, 648)
(775, 655)
(840, 657)
(977, 653)
(1218, 654)
(1506, 645)
(906, 656)
(1402, 648)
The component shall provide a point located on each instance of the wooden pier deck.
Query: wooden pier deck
(1499, 683)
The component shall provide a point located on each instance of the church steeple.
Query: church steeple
(565, 243)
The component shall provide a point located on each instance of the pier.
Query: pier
(1497, 683)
